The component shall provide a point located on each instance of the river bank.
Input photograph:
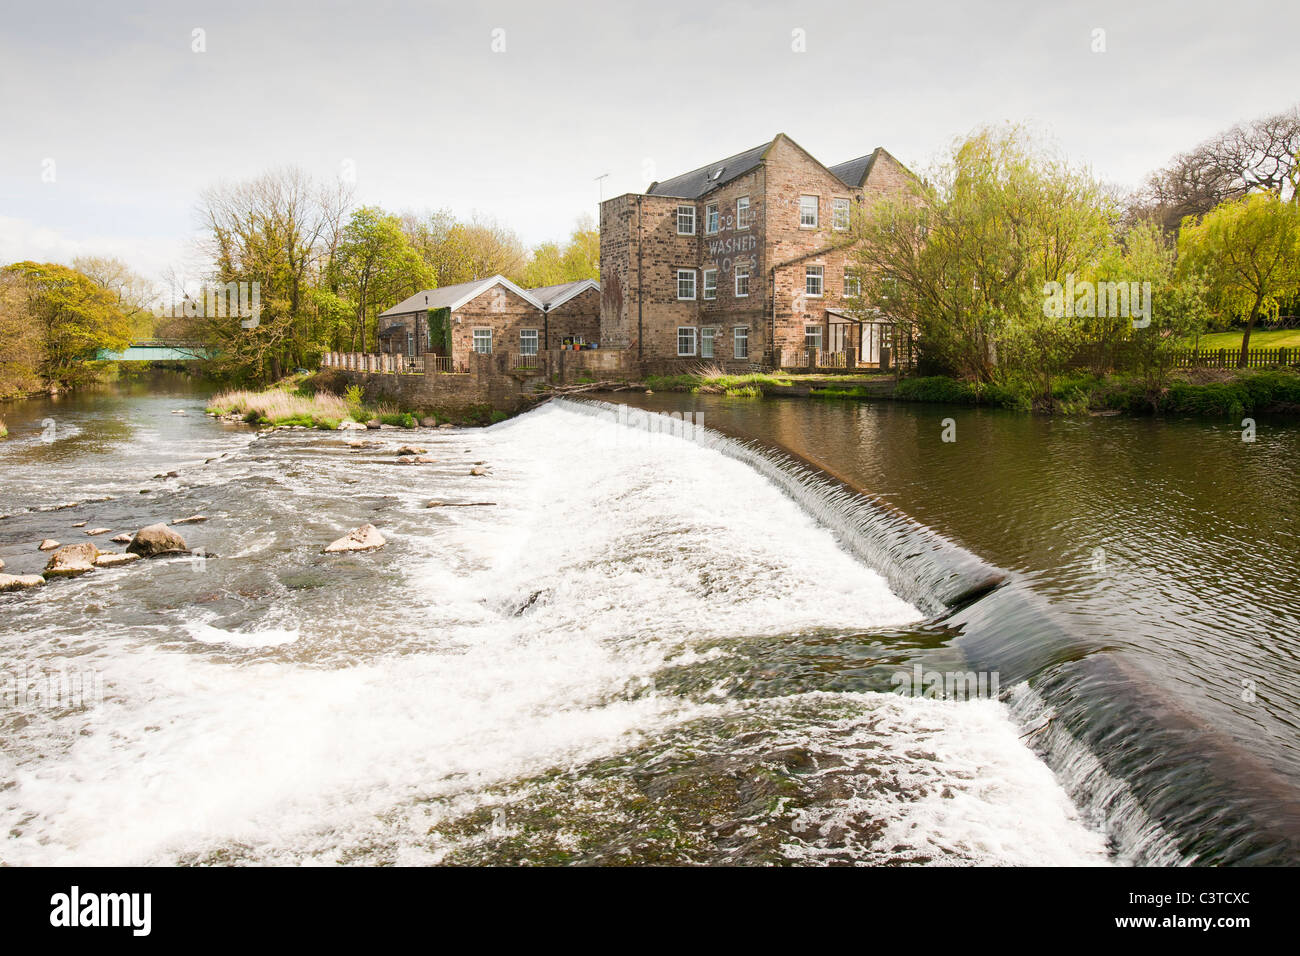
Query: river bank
(1203, 392)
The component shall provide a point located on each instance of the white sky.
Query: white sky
(413, 95)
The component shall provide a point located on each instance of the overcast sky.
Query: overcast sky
(414, 97)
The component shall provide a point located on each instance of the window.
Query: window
(812, 336)
(807, 212)
(839, 214)
(852, 286)
(527, 341)
(812, 280)
(740, 342)
(710, 219)
(742, 212)
(685, 340)
(742, 281)
(706, 342)
(686, 283)
(410, 343)
(483, 341)
(685, 220)
(710, 284)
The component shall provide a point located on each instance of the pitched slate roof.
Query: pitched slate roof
(855, 171)
(697, 182)
(454, 296)
(552, 296)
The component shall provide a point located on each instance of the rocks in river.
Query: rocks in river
(428, 423)
(81, 524)
(446, 425)
(461, 504)
(96, 531)
(107, 559)
(411, 450)
(72, 560)
(192, 519)
(417, 460)
(365, 538)
(121, 538)
(20, 582)
(2, 564)
(179, 411)
(374, 424)
(49, 544)
(350, 425)
(155, 540)
(478, 472)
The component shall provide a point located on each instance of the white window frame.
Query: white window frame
(475, 340)
(685, 212)
(742, 272)
(856, 282)
(816, 332)
(838, 206)
(709, 292)
(536, 341)
(742, 212)
(711, 219)
(809, 274)
(708, 337)
(816, 212)
(685, 272)
(739, 336)
(694, 338)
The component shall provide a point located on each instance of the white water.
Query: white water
(309, 724)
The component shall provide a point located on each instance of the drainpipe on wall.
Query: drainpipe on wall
(640, 357)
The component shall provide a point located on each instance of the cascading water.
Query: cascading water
(639, 646)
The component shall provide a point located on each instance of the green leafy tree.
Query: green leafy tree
(72, 315)
(1248, 251)
(374, 267)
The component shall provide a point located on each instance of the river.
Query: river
(650, 643)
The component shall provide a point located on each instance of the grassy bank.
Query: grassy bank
(1214, 392)
(1259, 339)
(300, 400)
(715, 380)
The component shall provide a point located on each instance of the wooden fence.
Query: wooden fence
(1229, 358)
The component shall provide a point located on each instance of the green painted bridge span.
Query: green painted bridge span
(156, 352)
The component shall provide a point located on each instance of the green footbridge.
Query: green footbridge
(157, 350)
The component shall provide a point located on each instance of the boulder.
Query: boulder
(49, 544)
(478, 472)
(365, 538)
(374, 423)
(350, 426)
(155, 540)
(417, 460)
(20, 582)
(106, 559)
(121, 538)
(446, 425)
(81, 524)
(192, 519)
(71, 560)
(428, 423)
(411, 450)
(94, 531)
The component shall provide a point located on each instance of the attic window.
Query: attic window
(717, 173)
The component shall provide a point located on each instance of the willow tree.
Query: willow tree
(1249, 253)
(963, 258)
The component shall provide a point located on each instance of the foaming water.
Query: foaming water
(634, 618)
